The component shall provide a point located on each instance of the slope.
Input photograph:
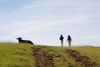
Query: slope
(16, 55)
(24, 55)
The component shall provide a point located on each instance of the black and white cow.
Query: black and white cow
(24, 41)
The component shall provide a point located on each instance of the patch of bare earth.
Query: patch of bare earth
(42, 59)
(83, 59)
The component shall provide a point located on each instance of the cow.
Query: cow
(24, 41)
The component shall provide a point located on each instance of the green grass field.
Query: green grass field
(16, 55)
(61, 59)
(21, 55)
(92, 52)
(66, 61)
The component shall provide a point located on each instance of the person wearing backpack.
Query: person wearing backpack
(61, 39)
(69, 39)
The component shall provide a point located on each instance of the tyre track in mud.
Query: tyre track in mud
(42, 59)
(82, 59)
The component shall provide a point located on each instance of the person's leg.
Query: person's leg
(69, 43)
(61, 42)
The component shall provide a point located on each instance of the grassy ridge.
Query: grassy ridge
(61, 59)
(16, 55)
(92, 52)
(21, 55)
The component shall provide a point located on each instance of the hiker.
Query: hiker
(69, 40)
(61, 39)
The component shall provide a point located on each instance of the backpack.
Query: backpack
(61, 38)
(69, 38)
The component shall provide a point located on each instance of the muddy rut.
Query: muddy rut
(83, 59)
(42, 59)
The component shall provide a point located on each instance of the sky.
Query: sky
(43, 21)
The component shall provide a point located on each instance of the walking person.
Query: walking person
(69, 40)
(61, 39)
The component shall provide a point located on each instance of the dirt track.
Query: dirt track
(42, 60)
(83, 59)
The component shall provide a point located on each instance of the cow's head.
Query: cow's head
(19, 38)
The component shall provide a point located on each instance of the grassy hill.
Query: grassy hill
(24, 55)
(16, 55)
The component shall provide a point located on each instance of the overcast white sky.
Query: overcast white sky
(42, 21)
